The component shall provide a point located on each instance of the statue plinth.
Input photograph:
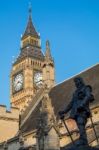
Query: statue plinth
(82, 148)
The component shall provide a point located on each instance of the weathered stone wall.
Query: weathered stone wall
(8, 123)
(13, 144)
(30, 139)
(28, 67)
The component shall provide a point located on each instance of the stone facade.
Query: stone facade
(28, 67)
(9, 123)
(30, 138)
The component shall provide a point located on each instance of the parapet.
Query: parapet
(13, 113)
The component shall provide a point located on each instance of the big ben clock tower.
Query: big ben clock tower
(31, 68)
(27, 71)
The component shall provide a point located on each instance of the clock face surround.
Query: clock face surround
(18, 82)
(38, 79)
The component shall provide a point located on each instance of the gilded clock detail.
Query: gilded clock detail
(38, 79)
(18, 82)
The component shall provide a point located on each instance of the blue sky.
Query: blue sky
(72, 26)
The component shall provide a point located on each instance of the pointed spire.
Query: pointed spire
(30, 29)
(30, 10)
(48, 51)
(47, 116)
(46, 124)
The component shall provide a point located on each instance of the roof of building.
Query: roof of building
(61, 95)
(30, 51)
(30, 29)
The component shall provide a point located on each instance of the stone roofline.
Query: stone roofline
(14, 139)
(29, 45)
(19, 61)
(32, 105)
(13, 113)
(77, 74)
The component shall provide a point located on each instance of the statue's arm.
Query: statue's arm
(69, 106)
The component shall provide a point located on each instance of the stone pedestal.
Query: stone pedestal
(82, 148)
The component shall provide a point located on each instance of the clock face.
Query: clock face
(38, 79)
(18, 82)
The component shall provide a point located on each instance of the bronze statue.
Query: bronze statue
(79, 107)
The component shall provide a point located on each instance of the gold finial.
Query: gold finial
(30, 9)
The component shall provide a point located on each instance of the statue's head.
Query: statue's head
(79, 82)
